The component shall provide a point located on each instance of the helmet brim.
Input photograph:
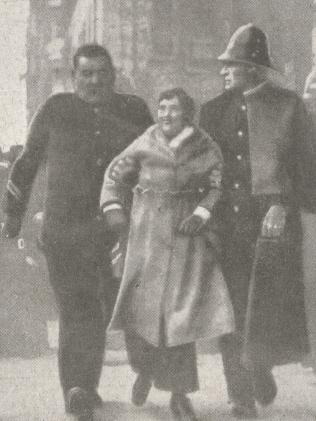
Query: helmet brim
(224, 58)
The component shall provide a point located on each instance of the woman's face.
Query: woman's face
(170, 117)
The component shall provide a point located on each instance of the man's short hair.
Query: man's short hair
(186, 102)
(91, 51)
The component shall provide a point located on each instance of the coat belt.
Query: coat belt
(143, 190)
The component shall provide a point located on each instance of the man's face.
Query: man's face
(93, 79)
(235, 75)
(170, 117)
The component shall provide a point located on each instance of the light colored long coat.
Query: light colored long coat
(169, 276)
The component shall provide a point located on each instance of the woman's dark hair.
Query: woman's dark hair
(92, 51)
(186, 102)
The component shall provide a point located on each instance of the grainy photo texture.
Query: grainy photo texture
(158, 210)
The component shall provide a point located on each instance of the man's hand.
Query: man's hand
(116, 220)
(274, 222)
(192, 225)
(11, 227)
(124, 169)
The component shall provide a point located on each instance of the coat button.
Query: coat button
(239, 157)
(97, 132)
(243, 107)
(240, 133)
(236, 209)
(99, 162)
(236, 185)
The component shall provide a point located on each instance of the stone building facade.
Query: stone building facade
(158, 44)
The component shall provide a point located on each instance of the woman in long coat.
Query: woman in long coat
(172, 292)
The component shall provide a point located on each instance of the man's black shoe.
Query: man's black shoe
(265, 388)
(141, 389)
(79, 403)
(181, 408)
(95, 400)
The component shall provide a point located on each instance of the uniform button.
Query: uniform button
(240, 133)
(236, 185)
(97, 132)
(95, 110)
(236, 209)
(243, 107)
(239, 157)
(99, 162)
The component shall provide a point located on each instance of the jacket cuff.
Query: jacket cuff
(111, 204)
(280, 200)
(203, 213)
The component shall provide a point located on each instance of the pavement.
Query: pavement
(30, 391)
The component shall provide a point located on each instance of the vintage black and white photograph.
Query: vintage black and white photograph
(157, 210)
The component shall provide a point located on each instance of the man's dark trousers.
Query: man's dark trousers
(277, 319)
(238, 255)
(85, 293)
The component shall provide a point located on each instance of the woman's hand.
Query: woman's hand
(116, 220)
(124, 169)
(192, 225)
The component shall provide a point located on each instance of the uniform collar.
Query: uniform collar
(257, 89)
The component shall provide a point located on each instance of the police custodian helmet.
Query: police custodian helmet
(248, 45)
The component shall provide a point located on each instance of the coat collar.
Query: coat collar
(178, 141)
(191, 142)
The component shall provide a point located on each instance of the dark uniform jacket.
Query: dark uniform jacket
(77, 141)
(267, 143)
(269, 158)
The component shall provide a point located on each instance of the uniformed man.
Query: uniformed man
(78, 134)
(269, 156)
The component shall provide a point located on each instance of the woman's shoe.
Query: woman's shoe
(181, 408)
(141, 389)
